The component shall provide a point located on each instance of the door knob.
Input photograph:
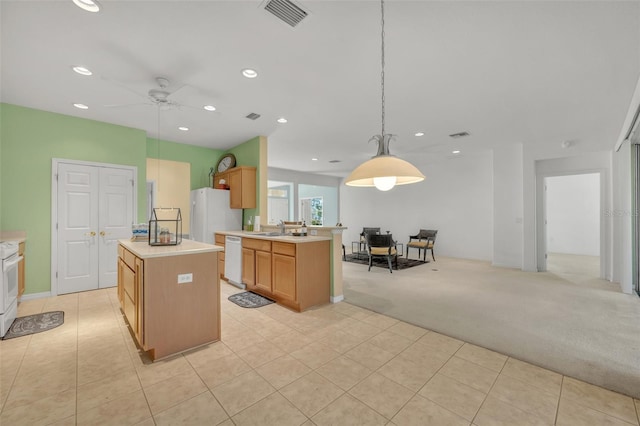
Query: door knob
(90, 234)
(102, 233)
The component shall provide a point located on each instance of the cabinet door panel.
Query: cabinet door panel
(248, 267)
(235, 186)
(263, 270)
(284, 276)
(139, 281)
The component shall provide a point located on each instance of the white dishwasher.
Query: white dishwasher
(233, 260)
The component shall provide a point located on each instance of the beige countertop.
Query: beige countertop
(143, 250)
(285, 238)
(18, 236)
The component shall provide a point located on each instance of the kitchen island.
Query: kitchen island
(170, 295)
(293, 271)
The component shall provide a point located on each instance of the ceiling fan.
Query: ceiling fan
(159, 97)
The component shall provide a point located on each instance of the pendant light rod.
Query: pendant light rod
(382, 63)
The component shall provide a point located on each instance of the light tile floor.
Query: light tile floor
(335, 365)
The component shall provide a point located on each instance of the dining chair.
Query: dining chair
(382, 245)
(424, 240)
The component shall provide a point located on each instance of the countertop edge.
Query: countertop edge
(144, 251)
(283, 238)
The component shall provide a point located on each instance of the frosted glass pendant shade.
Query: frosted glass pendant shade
(381, 168)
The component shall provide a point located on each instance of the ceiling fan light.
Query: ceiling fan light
(88, 5)
(209, 107)
(384, 166)
(80, 106)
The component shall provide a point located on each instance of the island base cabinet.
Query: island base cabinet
(296, 275)
(166, 317)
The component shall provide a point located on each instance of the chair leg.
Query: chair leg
(370, 261)
(389, 262)
(432, 255)
(344, 253)
(424, 256)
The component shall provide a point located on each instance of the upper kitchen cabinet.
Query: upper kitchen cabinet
(241, 182)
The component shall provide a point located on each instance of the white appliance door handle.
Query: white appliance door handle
(10, 264)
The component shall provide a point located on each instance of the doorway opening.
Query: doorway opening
(573, 226)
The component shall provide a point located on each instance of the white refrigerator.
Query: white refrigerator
(210, 213)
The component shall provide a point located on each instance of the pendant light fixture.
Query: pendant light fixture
(384, 171)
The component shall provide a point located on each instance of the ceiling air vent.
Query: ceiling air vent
(286, 10)
(335, 161)
(459, 135)
(253, 116)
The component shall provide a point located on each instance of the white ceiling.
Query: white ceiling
(536, 73)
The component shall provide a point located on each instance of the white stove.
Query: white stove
(8, 284)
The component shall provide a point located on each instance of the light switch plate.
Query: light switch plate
(185, 278)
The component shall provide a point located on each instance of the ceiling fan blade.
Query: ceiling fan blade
(123, 86)
(126, 105)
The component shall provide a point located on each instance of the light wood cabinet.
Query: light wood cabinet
(21, 269)
(242, 186)
(256, 264)
(284, 277)
(130, 292)
(220, 241)
(263, 270)
(296, 275)
(249, 267)
(167, 316)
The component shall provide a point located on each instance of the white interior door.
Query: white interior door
(115, 218)
(95, 208)
(78, 195)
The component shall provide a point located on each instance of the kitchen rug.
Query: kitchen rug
(249, 300)
(36, 323)
(380, 261)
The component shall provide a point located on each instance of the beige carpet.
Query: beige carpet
(576, 325)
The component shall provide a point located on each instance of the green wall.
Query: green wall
(30, 138)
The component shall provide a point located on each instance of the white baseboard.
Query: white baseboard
(33, 296)
(336, 299)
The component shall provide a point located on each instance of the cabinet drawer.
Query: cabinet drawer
(220, 240)
(128, 257)
(262, 245)
(284, 248)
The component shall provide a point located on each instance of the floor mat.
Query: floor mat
(249, 300)
(36, 323)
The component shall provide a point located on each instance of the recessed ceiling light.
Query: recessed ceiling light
(81, 106)
(282, 120)
(184, 129)
(82, 70)
(314, 159)
(209, 107)
(88, 5)
(249, 73)
(455, 152)
(420, 134)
